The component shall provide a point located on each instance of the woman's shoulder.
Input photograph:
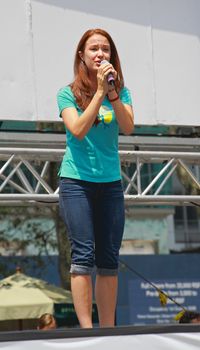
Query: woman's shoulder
(65, 94)
(65, 90)
(125, 94)
(124, 90)
(65, 98)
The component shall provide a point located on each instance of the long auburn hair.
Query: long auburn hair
(81, 86)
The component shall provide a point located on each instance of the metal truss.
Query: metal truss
(25, 176)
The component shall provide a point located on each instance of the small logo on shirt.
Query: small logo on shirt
(105, 116)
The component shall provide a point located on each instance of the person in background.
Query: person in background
(190, 317)
(93, 108)
(46, 321)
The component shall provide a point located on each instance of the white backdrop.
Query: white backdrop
(158, 43)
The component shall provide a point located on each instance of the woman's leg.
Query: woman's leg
(76, 210)
(81, 286)
(106, 298)
(109, 226)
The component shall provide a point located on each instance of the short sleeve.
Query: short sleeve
(65, 99)
(125, 96)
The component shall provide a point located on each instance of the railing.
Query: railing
(24, 176)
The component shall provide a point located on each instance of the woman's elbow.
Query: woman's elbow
(128, 130)
(78, 134)
(128, 127)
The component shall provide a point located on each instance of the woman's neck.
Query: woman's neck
(93, 81)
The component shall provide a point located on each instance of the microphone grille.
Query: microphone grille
(104, 61)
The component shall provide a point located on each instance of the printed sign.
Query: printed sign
(145, 306)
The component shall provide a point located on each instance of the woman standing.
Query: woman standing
(91, 195)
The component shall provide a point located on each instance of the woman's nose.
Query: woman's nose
(100, 53)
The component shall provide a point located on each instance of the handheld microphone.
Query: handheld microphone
(110, 77)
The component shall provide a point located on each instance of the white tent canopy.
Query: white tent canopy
(24, 297)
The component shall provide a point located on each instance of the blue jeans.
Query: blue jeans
(94, 218)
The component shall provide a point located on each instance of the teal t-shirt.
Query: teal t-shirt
(94, 158)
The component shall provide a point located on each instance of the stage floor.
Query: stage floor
(169, 337)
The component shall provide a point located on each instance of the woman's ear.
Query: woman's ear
(81, 56)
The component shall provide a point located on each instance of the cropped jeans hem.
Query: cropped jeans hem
(80, 270)
(106, 272)
(85, 270)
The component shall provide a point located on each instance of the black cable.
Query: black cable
(152, 284)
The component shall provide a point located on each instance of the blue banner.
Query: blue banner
(145, 306)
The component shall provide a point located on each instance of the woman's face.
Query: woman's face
(97, 48)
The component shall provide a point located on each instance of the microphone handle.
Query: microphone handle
(110, 78)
